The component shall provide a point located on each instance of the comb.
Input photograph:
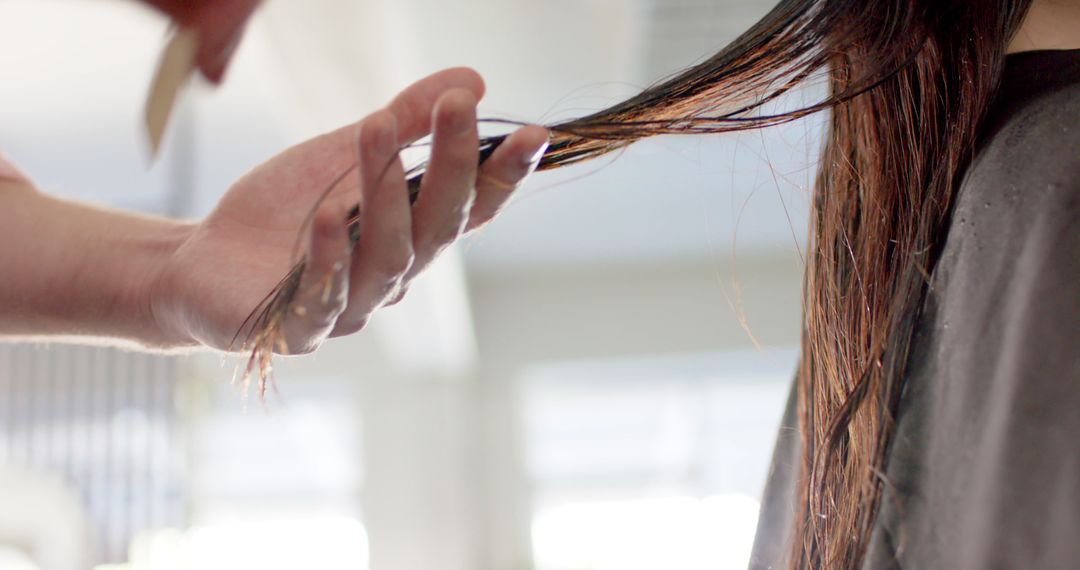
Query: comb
(175, 68)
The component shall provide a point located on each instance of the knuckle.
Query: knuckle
(304, 349)
(398, 297)
(325, 319)
(388, 289)
(353, 326)
(327, 225)
(304, 341)
(481, 219)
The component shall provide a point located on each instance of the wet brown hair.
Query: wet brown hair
(910, 82)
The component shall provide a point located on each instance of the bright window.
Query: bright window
(651, 463)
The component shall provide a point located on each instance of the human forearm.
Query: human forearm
(71, 269)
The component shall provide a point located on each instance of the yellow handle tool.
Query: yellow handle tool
(175, 69)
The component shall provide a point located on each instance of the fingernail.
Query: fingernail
(534, 157)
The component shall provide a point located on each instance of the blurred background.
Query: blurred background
(593, 382)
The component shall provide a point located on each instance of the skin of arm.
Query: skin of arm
(71, 269)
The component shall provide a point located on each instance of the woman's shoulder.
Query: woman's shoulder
(1033, 127)
(1029, 157)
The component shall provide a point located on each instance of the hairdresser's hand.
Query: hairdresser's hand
(240, 252)
(220, 24)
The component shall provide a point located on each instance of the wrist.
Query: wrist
(159, 295)
(82, 271)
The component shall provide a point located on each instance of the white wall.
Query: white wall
(531, 318)
(443, 475)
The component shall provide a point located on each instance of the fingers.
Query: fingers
(384, 253)
(443, 211)
(446, 193)
(322, 295)
(397, 240)
(501, 174)
(413, 107)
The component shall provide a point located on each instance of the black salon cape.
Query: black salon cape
(985, 465)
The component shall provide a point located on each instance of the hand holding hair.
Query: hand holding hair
(106, 274)
(229, 261)
(723, 94)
